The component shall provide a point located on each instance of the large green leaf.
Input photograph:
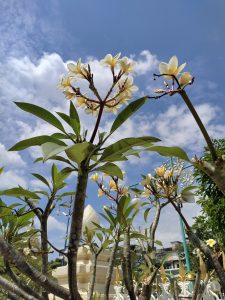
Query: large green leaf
(19, 192)
(122, 146)
(41, 178)
(170, 151)
(79, 152)
(74, 117)
(35, 141)
(51, 149)
(41, 113)
(127, 112)
(111, 169)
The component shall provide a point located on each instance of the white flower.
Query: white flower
(171, 68)
(185, 78)
(126, 65)
(78, 69)
(211, 242)
(110, 60)
(94, 177)
(26, 251)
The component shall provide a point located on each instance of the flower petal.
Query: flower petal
(163, 68)
(180, 68)
(173, 64)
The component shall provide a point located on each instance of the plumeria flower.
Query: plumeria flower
(113, 109)
(112, 185)
(94, 177)
(147, 193)
(128, 87)
(210, 242)
(124, 190)
(69, 93)
(78, 69)
(160, 171)
(64, 83)
(26, 251)
(110, 60)
(185, 78)
(168, 174)
(101, 192)
(171, 68)
(126, 65)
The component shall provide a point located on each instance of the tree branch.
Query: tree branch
(10, 254)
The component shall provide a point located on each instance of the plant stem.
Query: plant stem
(110, 269)
(126, 265)
(76, 229)
(97, 122)
(44, 250)
(200, 124)
(93, 277)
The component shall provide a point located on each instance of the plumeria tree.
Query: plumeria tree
(83, 151)
(88, 151)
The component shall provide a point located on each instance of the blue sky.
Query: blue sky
(38, 37)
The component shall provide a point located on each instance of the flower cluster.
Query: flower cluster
(172, 71)
(162, 185)
(110, 188)
(121, 90)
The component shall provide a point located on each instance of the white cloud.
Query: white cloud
(147, 62)
(12, 178)
(10, 159)
(176, 126)
(54, 224)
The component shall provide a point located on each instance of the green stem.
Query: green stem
(200, 124)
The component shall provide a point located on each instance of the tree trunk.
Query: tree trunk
(93, 277)
(110, 270)
(197, 286)
(44, 249)
(216, 171)
(210, 255)
(126, 265)
(9, 286)
(10, 254)
(20, 283)
(75, 230)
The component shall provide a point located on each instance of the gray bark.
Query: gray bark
(9, 286)
(9, 254)
(110, 270)
(75, 230)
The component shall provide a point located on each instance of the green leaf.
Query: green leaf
(35, 141)
(126, 113)
(170, 151)
(1, 170)
(111, 169)
(159, 243)
(79, 152)
(136, 235)
(51, 149)
(146, 213)
(19, 192)
(41, 178)
(41, 113)
(121, 146)
(75, 120)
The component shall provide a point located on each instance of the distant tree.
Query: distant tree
(212, 222)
